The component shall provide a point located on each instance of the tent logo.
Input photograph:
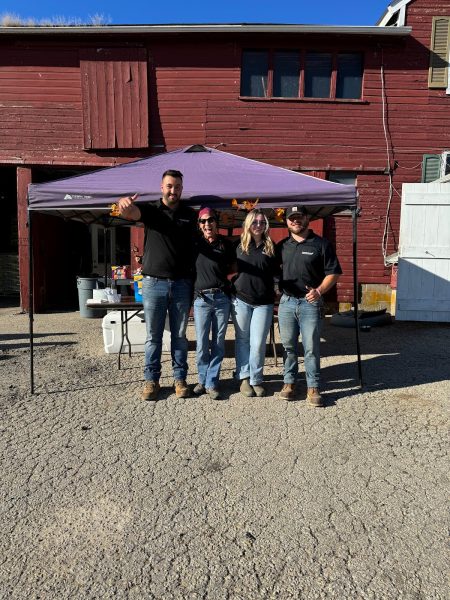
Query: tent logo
(76, 197)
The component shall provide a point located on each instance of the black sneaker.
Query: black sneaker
(199, 389)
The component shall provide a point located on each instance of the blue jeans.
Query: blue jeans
(211, 315)
(159, 297)
(251, 324)
(298, 316)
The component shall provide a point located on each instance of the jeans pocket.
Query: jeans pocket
(284, 298)
(149, 282)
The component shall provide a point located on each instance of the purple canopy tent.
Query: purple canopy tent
(211, 177)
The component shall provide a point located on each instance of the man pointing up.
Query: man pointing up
(167, 286)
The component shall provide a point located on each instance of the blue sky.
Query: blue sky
(115, 12)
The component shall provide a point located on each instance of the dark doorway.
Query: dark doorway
(62, 251)
(9, 253)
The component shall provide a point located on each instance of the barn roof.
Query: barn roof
(235, 28)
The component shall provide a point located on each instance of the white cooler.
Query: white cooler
(136, 333)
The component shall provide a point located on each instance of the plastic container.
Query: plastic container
(136, 333)
(121, 272)
(86, 287)
(138, 288)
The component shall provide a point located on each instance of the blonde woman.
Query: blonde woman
(252, 305)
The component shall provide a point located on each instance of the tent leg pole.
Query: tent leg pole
(355, 293)
(30, 299)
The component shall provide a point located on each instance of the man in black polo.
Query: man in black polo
(168, 269)
(309, 269)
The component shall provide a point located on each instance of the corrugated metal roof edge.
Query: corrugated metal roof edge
(209, 28)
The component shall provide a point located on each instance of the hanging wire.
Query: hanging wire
(385, 238)
(410, 168)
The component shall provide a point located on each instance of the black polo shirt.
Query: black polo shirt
(213, 262)
(169, 240)
(305, 263)
(256, 270)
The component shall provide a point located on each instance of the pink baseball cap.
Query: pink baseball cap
(206, 210)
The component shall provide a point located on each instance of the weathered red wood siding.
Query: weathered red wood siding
(41, 113)
(193, 97)
(40, 103)
(114, 94)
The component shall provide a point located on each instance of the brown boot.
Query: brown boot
(314, 398)
(181, 389)
(150, 391)
(288, 391)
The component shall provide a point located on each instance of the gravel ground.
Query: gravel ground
(105, 496)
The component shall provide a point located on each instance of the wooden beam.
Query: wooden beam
(23, 175)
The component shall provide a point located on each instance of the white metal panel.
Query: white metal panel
(423, 287)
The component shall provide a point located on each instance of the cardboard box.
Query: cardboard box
(121, 272)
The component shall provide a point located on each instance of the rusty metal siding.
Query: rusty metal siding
(115, 98)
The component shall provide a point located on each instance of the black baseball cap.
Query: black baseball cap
(297, 209)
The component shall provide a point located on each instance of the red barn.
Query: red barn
(364, 104)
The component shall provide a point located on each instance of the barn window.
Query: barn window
(255, 66)
(349, 75)
(345, 177)
(115, 100)
(286, 74)
(318, 70)
(300, 74)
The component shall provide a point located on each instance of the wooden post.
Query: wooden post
(23, 179)
(137, 246)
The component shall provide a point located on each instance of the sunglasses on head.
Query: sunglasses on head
(207, 220)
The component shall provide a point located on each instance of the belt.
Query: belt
(160, 277)
(296, 297)
(210, 290)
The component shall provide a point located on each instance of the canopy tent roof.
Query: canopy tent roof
(211, 177)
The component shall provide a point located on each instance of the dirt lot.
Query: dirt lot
(105, 496)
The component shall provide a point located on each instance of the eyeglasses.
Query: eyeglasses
(258, 222)
(208, 220)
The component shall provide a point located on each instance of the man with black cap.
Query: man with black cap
(309, 269)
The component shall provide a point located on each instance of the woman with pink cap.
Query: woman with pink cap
(215, 257)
